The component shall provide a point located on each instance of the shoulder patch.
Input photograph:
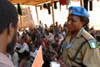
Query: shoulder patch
(93, 43)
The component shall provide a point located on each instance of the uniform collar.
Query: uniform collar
(80, 32)
(77, 36)
(5, 60)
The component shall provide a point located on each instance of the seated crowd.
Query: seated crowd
(29, 41)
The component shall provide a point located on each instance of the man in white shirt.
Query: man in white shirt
(49, 36)
(22, 48)
(8, 25)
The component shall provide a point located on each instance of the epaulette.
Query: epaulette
(92, 42)
(87, 36)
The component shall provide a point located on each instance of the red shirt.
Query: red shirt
(44, 40)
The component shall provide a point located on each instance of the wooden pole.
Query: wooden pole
(21, 21)
(53, 14)
(37, 14)
(81, 2)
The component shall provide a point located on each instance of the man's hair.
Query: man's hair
(8, 14)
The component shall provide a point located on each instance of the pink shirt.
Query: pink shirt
(5, 61)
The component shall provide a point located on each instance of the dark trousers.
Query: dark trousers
(24, 54)
(86, 5)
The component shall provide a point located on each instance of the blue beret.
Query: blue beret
(78, 10)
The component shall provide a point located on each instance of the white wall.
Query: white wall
(61, 16)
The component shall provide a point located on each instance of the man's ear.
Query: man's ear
(11, 32)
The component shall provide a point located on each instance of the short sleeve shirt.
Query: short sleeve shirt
(88, 56)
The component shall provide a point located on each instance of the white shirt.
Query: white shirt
(23, 47)
(5, 61)
(33, 54)
(49, 37)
